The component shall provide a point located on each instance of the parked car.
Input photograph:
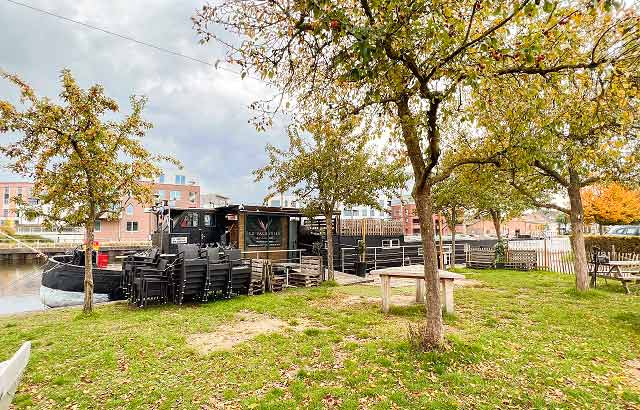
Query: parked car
(625, 230)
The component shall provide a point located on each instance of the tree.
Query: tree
(409, 64)
(491, 194)
(327, 164)
(611, 204)
(562, 220)
(81, 163)
(580, 130)
(451, 198)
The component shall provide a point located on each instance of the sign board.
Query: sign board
(264, 231)
(178, 239)
(232, 217)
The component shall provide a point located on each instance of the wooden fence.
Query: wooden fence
(561, 261)
(374, 227)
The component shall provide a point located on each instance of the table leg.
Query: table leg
(448, 295)
(385, 282)
(419, 290)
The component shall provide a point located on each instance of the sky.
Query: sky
(200, 114)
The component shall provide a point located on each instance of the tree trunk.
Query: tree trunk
(329, 220)
(495, 217)
(88, 269)
(453, 236)
(434, 331)
(577, 237)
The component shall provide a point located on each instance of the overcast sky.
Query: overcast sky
(199, 114)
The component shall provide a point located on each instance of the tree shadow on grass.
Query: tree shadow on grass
(411, 311)
(631, 319)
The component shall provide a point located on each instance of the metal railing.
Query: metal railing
(67, 244)
(383, 257)
(292, 255)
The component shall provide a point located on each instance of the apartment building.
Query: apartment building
(135, 224)
(351, 212)
(8, 209)
(214, 200)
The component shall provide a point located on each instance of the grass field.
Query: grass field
(518, 340)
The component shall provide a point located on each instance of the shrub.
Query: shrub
(622, 244)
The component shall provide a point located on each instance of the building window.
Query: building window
(132, 226)
(161, 194)
(192, 197)
(5, 213)
(209, 220)
(180, 180)
(19, 192)
(161, 179)
(390, 243)
(175, 195)
(97, 226)
(130, 210)
(294, 204)
(6, 195)
(372, 212)
(355, 212)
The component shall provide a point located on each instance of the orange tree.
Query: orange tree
(410, 64)
(611, 204)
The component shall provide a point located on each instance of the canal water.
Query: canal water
(20, 287)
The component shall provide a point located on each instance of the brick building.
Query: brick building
(531, 223)
(137, 225)
(8, 211)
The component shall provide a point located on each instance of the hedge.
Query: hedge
(622, 244)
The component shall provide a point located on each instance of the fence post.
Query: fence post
(545, 257)
(342, 258)
(403, 256)
(375, 258)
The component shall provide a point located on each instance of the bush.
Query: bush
(622, 244)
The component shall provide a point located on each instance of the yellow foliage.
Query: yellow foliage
(8, 227)
(611, 204)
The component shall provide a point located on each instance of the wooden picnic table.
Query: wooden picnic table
(623, 271)
(417, 272)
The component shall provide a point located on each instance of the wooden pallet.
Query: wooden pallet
(521, 259)
(481, 258)
(310, 272)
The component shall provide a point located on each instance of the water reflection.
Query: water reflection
(20, 287)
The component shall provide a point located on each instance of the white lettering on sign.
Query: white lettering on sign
(179, 239)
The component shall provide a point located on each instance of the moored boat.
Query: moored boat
(63, 282)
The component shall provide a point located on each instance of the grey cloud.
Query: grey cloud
(200, 114)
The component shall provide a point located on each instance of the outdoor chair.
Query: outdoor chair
(154, 282)
(190, 275)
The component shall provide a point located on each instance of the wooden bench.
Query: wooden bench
(481, 258)
(521, 259)
(624, 271)
(417, 272)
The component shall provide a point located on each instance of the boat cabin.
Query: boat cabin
(258, 231)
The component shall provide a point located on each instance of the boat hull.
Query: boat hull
(63, 284)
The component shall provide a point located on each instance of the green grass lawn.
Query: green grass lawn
(518, 340)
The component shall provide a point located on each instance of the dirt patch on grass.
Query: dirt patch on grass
(633, 372)
(246, 326)
(469, 283)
